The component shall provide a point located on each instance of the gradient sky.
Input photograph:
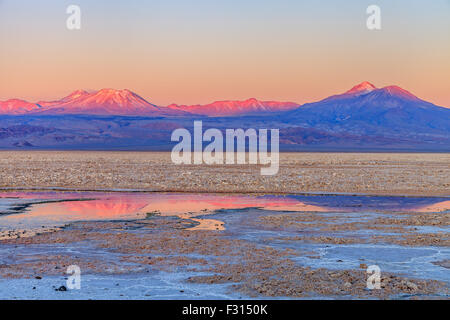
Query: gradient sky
(198, 51)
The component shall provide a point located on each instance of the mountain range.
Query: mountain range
(125, 102)
(362, 118)
(235, 108)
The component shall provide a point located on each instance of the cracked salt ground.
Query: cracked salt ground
(413, 262)
(409, 261)
(24, 254)
(238, 224)
(145, 284)
(160, 285)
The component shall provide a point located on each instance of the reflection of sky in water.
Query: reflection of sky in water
(238, 213)
(112, 206)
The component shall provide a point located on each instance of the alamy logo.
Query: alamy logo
(374, 19)
(213, 153)
(74, 280)
(73, 22)
(374, 280)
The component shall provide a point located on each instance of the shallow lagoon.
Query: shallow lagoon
(236, 216)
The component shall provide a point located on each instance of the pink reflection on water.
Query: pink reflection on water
(91, 209)
(83, 206)
(194, 204)
(115, 206)
(436, 207)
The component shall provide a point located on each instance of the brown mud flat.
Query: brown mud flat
(368, 173)
(170, 243)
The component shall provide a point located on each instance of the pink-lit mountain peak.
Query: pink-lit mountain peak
(122, 98)
(367, 90)
(76, 94)
(396, 91)
(16, 106)
(237, 107)
(237, 103)
(362, 88)
(71, 97)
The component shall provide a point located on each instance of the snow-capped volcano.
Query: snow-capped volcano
(367, 109)
(105, 102)
(362, 88)
(373, 93)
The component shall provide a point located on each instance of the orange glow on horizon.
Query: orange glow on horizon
(298, 51)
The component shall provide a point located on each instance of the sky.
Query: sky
(199, 51)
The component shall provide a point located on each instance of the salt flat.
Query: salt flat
(371, 173)
(203, 236)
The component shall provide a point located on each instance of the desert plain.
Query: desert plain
(140, 227)
(425, 174)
